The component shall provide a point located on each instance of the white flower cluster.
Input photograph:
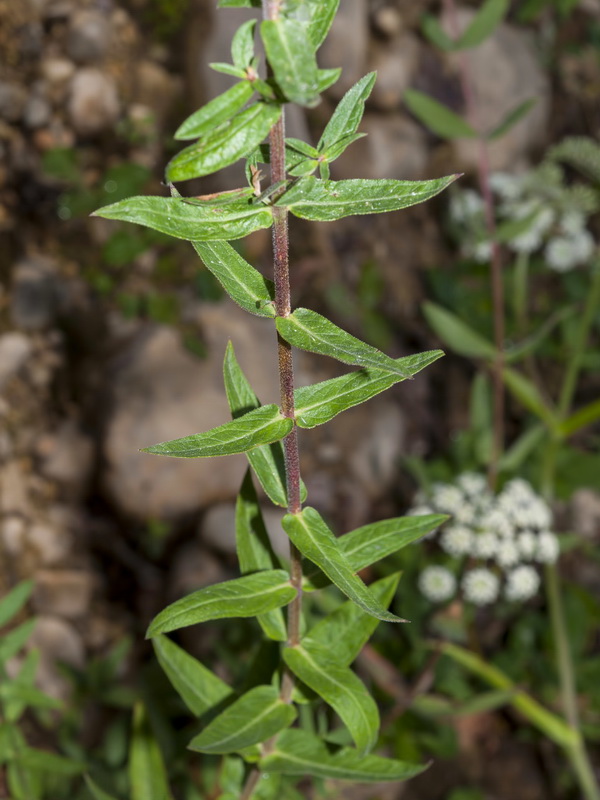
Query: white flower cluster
(498, 540)
(545, 213)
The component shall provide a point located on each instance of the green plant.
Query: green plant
(274, 722)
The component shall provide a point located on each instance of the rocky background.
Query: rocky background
(112, 338)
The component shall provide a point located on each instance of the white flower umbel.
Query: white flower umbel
(505, 185)
(437, 584)
(497, 521)
(527, 544)
(485, 544)
(480, 586)
(507, 554)
(457, 540)
(521, 583)
(560, 254)
(447, 498)
(548, 549)
(472, 483)
(572, 223)
(465, 204)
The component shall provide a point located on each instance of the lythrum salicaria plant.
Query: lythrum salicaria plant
(263, 725)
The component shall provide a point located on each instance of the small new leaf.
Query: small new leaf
(340, 688)
(322, 15)
(147, 773)
(511, 119)
(242, 44)
(261, 426)
(312, 537)
(241, 597)
(437, 117)
(299, 752)
(13, 602)
(314, 199)
(194, 221)
(348, 114)
(310, 331)
(292, 58)
(253, 718)
(459, 336)
(483, 24)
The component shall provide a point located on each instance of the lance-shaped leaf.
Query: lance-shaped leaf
(310, 331)
(244, 284)
(194, 221)
(226, 144)
(317, 404)
(239, 4)
(322, 15)
(242, 44)
(311, 198)
(437, 117)
(199, 688)
(14, 640)
(459, 336)
(41, 760)
(96, 792)
(217, 111)
(335, 150)
(147, 773)
(13, 602)
(489, 16)
(511, 119)
(348, 626)
(260, 426)
(267, 461)
(255, 552)
(348, 114)
(530, 396)
(583, 417)
(312, 537)
(292, 58)
(370, 543)
(253, 718)
(241, 597)
(298, 752)
(340, 688)
(436, 34)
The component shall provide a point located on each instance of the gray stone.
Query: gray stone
(505, 71)
(56, 74)
(12, 101)
(346, 45)
(89, 36)
(67, 456)
(50, 541)
(58, 643)
(14, 495)
(63, 593)
(34, 298)
(93, 104)
(585, 509)
(37, 112)
(155, 88)
(192, 568)
(396, 64)
(15, 349)
(377, 448)
(217, 528)
(159, 391)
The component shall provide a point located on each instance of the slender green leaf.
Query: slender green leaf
(13, 602)
(23, 783)
(444, 122)
(14, 640)
(550, 724)
(199, 688)
(14, 708)
(529, 395)
(348, 114)
(483, 24)
(242, 44)
(311, 198)
(292, 58)
(228, 69)
(370, 543)
(147, 773)
(302, 147)
(96, 791)
(255, 552)
(226, 144)
(253, 718)
(238, 3)
(323, 14)
(530, 345)
(340, 688)
(317, 404)
(327, 77)
(580, 419)
(244, 284)
(529, 441)
(436, 34)
(217, 111)
(260, 426)
(298, 752)
(241, 597)
(16, 691)
(310, 331)
(312, 537)
(486, 701)
(192, 221)
(266, 461)
(511, 119)
(348, 626)
(40, 760)
(335, 150)
(459, 336)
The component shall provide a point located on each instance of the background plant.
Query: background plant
(256, 719)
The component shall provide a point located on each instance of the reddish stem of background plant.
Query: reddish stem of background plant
(483, 174)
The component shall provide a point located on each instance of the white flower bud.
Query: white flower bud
(480, 586)
(547, 547)
(485, 544)
(527, 544)
(457, 540)
(521, 583)
(437, 584)
(507, 554)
